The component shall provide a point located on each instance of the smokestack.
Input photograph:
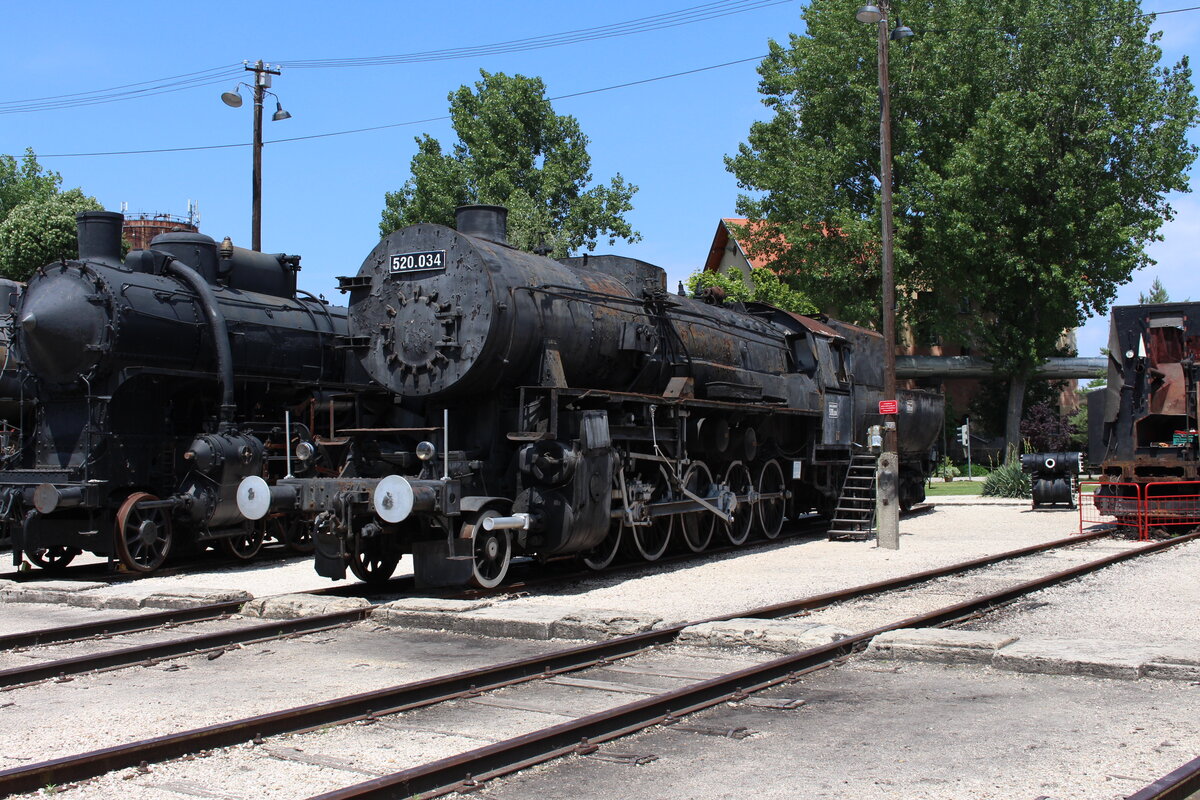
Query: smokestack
(99, 235)
(484, 222)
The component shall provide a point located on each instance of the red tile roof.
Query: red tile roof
(722, 238)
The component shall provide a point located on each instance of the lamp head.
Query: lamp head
(280, 113)
(902, 31)
(869, 14)
(232, 99)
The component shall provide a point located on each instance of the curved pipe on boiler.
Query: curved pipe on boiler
(220, 332)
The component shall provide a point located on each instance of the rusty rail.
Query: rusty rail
(466, 771)
(131, 624)
(1180, 784)
(190, 645)
(436, 690)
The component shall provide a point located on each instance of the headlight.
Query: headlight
(426, 451)
(305, 451)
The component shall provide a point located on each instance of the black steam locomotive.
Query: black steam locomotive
(1143, 424)
(552, 408)
(160, 380)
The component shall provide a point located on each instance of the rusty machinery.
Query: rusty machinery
(1142, 427)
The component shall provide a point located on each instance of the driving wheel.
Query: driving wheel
(606, 552)
(738, 479)
(649, 542)
(697, 526)
(771, 501)
(143, 533)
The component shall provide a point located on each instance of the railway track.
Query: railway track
(111, 572)
(193, 645)
(1180, 784)
(500, 758)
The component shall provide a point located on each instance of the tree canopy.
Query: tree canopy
(24, 181)
(41, 230)
(513, 150)
(37, 220)
(1029, 176)
(767, 287)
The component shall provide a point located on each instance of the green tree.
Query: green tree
(1157, 293)
(513, 150)
(23, 181)
(1029, 176)
(41, 230)
(767, 288)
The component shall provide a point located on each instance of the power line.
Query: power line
(686, 16)
(127, 92)
(215, 75)
(445, 117)
(394, 124)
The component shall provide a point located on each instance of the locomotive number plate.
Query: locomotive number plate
(417, 262)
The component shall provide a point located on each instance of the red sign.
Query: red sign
(889, 407)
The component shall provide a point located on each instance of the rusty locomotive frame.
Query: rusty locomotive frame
(1142, 427)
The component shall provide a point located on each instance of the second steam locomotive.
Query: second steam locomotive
(576, 408)
(151, 384)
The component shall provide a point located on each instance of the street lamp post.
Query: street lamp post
(887, 509)
(262, 82)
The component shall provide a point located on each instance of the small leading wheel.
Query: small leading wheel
(143, 533)
(294, 533)
(738, 479)
(245, 545)
(491, 550)
(606, 551)
(54, 558)
(772, 502)
(697, 526)
(649, 542)
(372, 560)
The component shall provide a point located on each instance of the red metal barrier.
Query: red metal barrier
(1170, 504)
(1117, 504)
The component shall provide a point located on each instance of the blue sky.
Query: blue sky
(322, 197)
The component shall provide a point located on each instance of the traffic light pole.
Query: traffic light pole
(966, 440)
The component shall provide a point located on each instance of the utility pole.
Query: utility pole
(262, 82)
(887, 476)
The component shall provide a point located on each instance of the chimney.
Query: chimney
(99, 235)
(483, 222)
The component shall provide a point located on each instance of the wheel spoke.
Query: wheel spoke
(697, 526)
(134, 551)
(491, 551)
(738, 479)
(771, 509)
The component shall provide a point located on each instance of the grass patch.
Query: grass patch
(943, 489)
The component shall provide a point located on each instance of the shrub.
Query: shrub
(946, 469)
(1007, 480)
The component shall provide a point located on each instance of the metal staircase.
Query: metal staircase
(854, 516)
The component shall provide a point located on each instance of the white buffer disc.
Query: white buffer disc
(393, 499)
(253, 497)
